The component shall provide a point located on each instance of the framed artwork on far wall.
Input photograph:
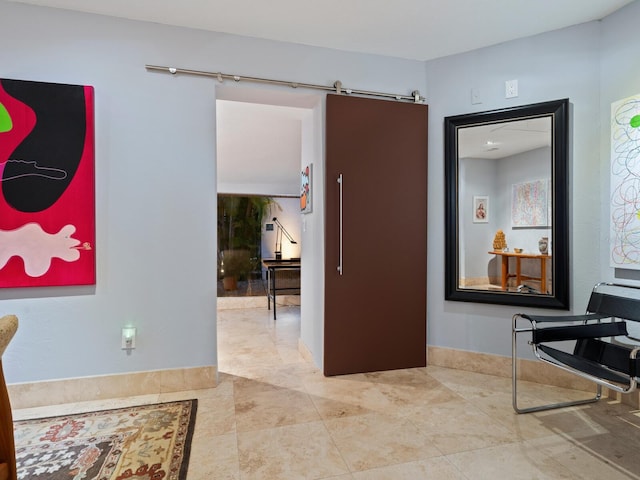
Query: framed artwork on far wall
(305, 189)
(480, 209)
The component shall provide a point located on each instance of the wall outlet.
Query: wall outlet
(128, 338)
(511, 88)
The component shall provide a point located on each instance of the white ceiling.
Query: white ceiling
(258, 148)
(262, 141)
(412, 29)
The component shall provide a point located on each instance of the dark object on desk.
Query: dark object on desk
(524, 288)
(282, 275)
(604, 352)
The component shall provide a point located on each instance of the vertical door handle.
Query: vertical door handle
(340, 230)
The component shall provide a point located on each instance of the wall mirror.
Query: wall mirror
(507, 239)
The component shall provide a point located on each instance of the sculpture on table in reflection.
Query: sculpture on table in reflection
(499, 241)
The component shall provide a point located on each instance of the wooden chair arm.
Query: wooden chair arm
(4, 471)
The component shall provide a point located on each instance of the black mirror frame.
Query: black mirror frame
(558, 110)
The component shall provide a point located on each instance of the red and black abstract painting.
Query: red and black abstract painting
(47, 185)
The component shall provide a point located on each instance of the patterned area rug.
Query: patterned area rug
(148, 442)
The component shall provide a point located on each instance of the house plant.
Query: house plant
(240, 220)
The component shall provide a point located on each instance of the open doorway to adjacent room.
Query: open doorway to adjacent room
(267, 139)
(258, 170)
(263, 139)
(253, 230)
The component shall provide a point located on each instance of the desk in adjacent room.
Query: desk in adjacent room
(275, 284)
(518, 275)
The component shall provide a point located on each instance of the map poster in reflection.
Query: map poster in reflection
(625, 183)
(47, 194)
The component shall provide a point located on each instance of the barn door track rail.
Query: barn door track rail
(337, 86)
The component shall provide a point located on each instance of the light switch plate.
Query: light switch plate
(511, 88)
(475, 96)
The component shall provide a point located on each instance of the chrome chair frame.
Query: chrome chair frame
(591, 315)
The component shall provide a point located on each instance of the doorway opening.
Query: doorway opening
(263, 138)
(258, 165)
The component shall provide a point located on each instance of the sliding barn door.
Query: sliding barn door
(376, 235)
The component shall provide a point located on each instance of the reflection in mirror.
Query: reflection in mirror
(506, 206)
(510, 164)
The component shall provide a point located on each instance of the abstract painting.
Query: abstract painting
(47, 189)
(530, 204)
(625, 183)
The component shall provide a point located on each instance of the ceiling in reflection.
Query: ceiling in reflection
(499, 140)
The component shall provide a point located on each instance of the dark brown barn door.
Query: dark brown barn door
(375, 307)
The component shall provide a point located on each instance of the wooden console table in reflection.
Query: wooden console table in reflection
(276, 282)
(518, 275)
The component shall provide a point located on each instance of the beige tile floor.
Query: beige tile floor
(275, 416)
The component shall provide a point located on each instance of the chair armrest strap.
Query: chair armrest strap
(576, 332)
(564, 318)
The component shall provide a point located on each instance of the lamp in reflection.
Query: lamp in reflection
(279, 233)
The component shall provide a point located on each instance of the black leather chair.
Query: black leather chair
(603, 349)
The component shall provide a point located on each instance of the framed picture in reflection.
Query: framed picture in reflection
(480, 209)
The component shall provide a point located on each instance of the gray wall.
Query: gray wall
(559, 64)
(156, 185)
(525, 167)
(593, 65)
(620, 78)
(155, 182)
(477, 176)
